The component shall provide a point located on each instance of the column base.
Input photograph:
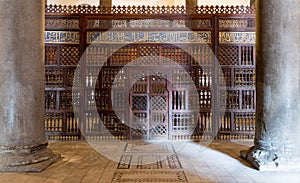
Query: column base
(264, 160)
(26, 159)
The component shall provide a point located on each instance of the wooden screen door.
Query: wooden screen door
(149, 106)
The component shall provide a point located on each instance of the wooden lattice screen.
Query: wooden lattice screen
(194, 74)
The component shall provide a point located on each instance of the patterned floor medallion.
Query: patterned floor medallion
(125, 162)
(162, 176)
(149, 163)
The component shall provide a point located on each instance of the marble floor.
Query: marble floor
(136, 161)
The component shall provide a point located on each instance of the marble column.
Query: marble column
(23, 145)
(190, 5)
(106, 3)
(276, 144)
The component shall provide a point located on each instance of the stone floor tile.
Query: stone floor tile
(34, 179)
(225, 179)
(219, 162)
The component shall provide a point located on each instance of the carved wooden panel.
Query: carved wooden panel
(204, 89)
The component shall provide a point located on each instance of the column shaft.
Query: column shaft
(22, 133)
(278, 85)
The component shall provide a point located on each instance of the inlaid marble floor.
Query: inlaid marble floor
(129, 162)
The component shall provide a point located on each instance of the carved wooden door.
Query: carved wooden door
(149, 106)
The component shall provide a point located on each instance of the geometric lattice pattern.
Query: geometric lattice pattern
(139, 126)
(205, 77)
(139, 88)
(159, 124)
(176, 102)
(158, 118)
(158, 88)
(182, 78)
(120, 79)
(149, 96)
(119, 100)
(108, 76)
(205, 99)
(59, 96)
(225, 122)
(54, 122)
(237, 72)
(65, 100)
(244, 77)
(183, 123)
(248, 99)
(174, 55)
(139, 76)
(139, 103)
(161, 10)
(54, 77)
(148, 55)
(192, 74)
(93, 122)
(225, 77)
(193, 100)
(50, 100)
(159, 130)
(113, 124)
(123, 56)
(138, 131)
(247, 55)
(72, 123)
(90, 100)
(73, 77)
(158, 103)
(205, 122)
(96, 55)
(179, 100)
(158, 77)
(232, 99)
(244, 121)
(102, 99)
(69, 55)
(229, 55)
(201, 55)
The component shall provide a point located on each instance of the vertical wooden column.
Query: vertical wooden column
(252, 3)
(23, 145)
(106, 3)
(190, 5)
(278, 86)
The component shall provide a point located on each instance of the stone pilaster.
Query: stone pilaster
(278, 86)
(23, 145)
